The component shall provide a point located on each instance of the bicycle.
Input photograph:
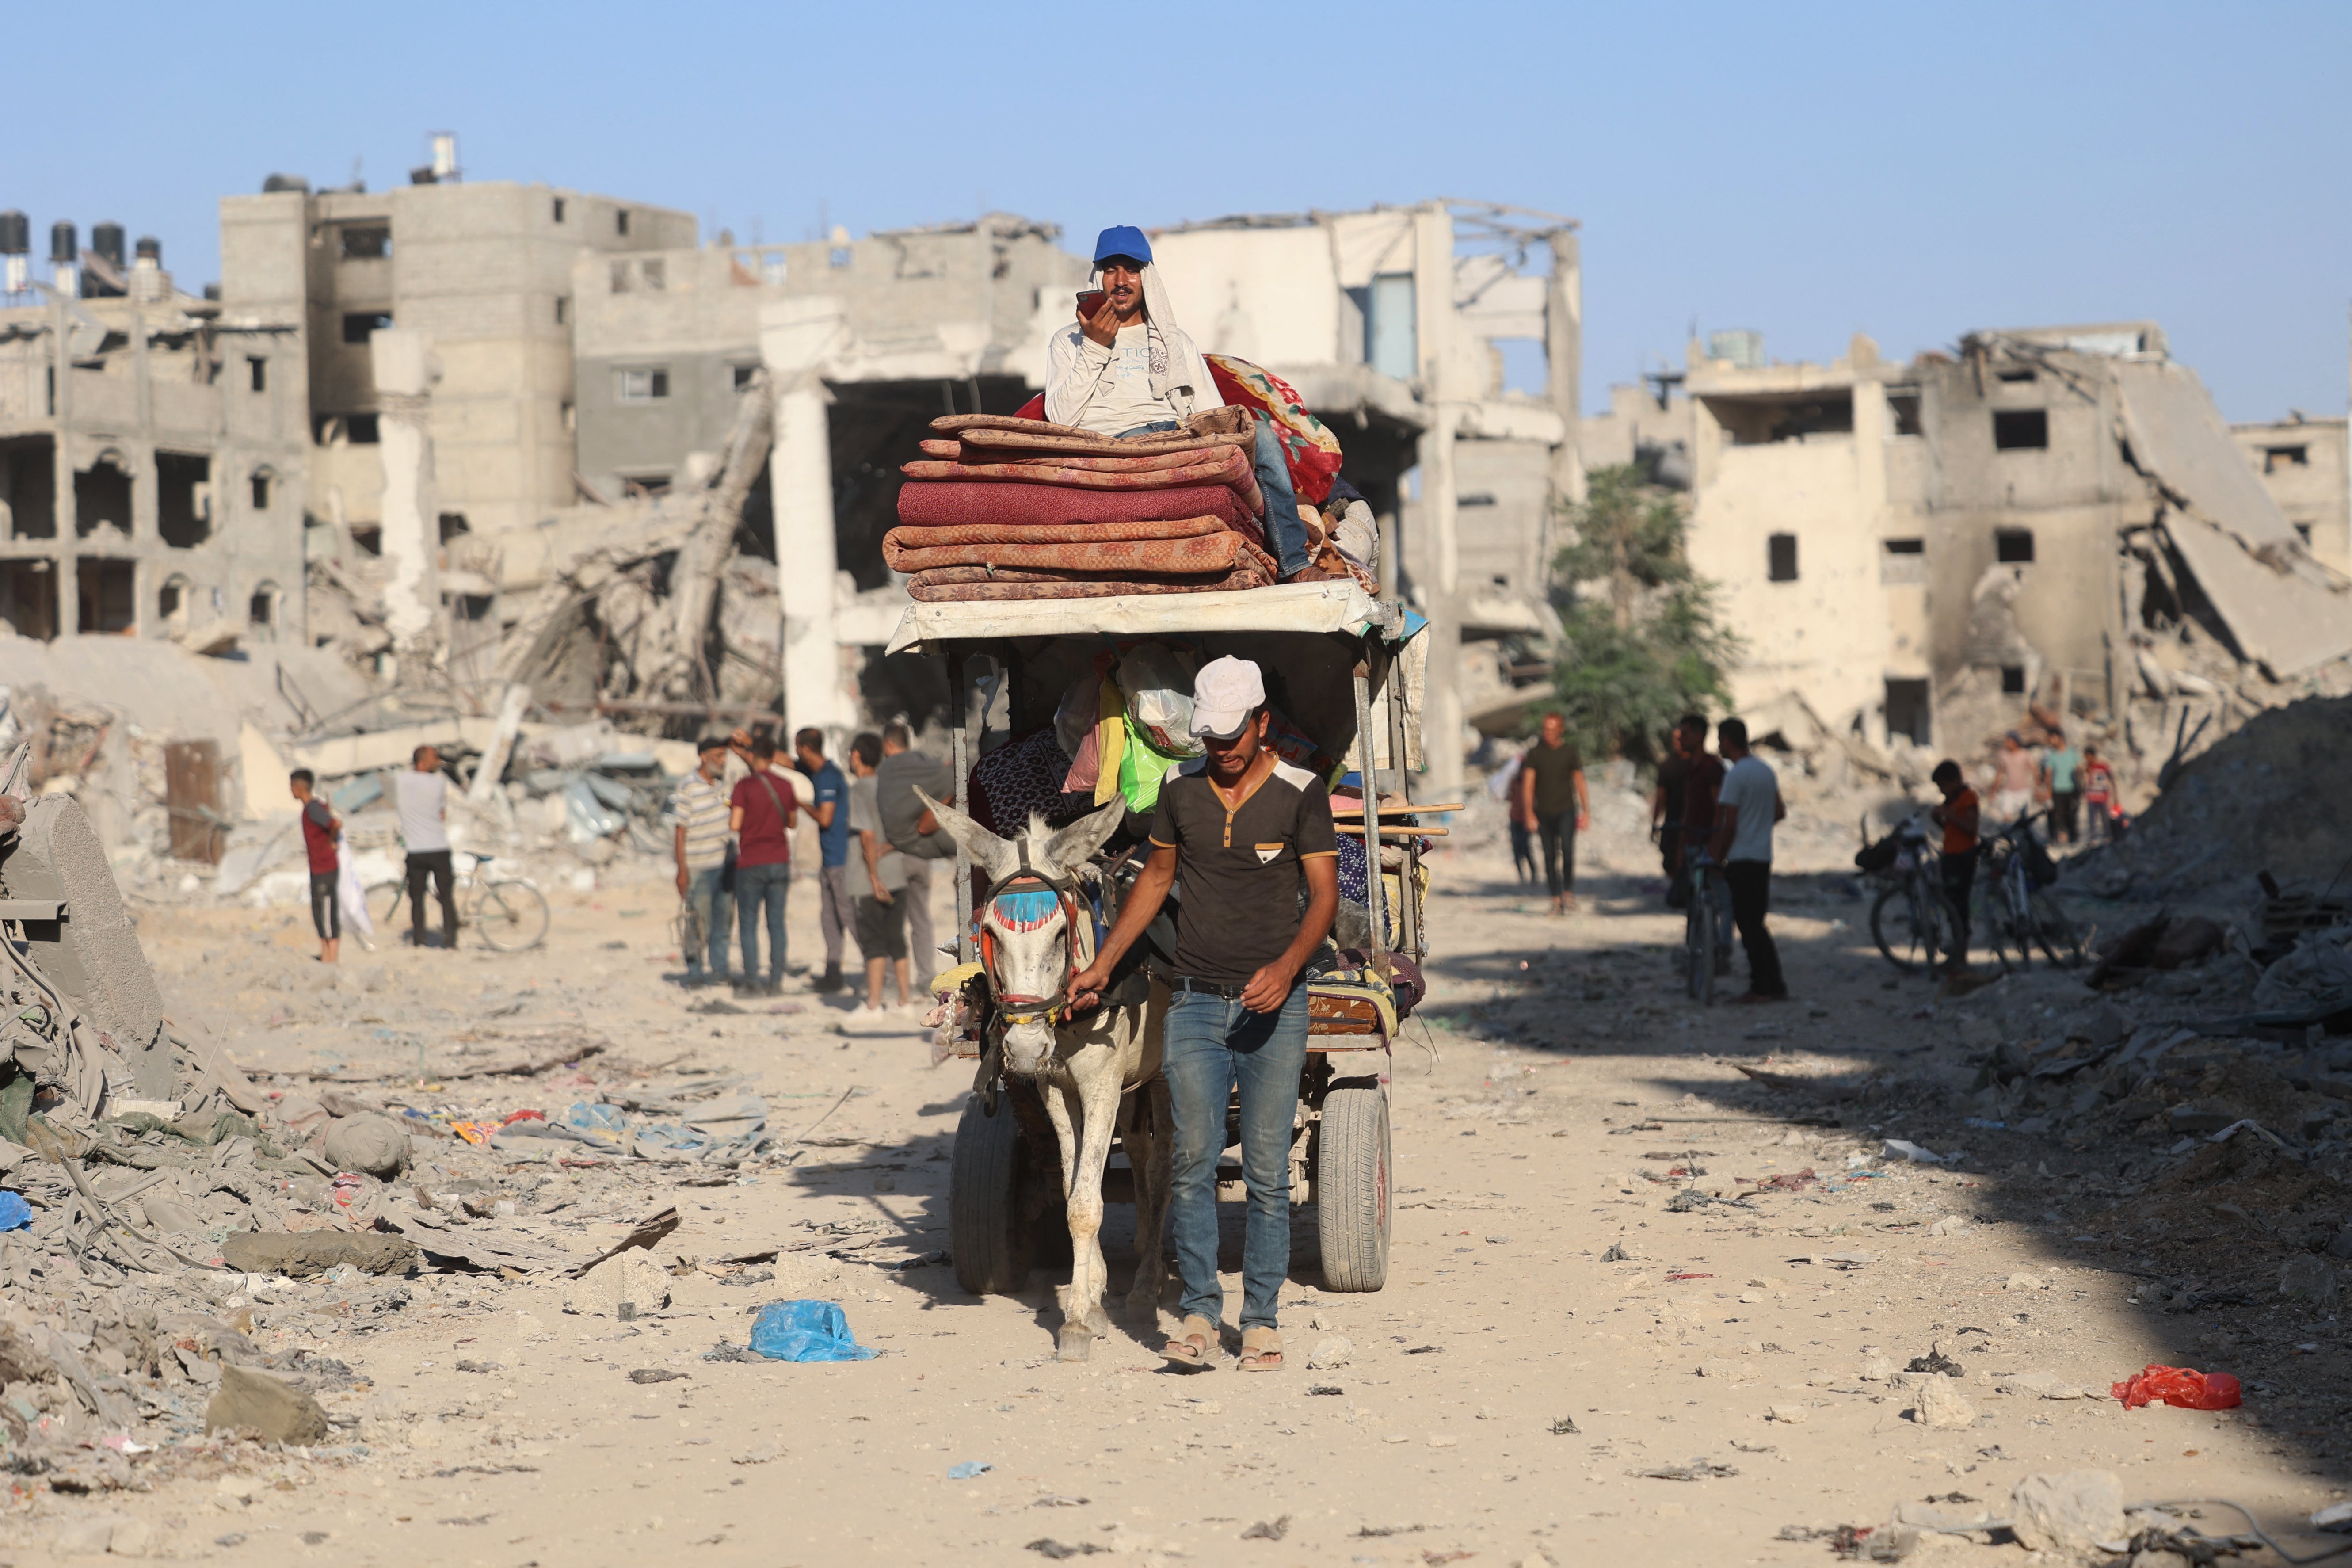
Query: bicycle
(509, 914)
(2019, 913)
(1706, 929)
(1913, 922)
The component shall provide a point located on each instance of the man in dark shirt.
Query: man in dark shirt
(1244, 828)
(909, 826)
(1667, 808)
(1552, 775)
(835, 913)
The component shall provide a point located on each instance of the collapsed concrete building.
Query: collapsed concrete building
(1919, 549)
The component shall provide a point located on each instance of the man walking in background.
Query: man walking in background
(2014, 775)
(2062, 780)
(1667, 805)
(421, 796)
(1551, 781)
(881, 899)
(1746, 809)
(912, 830)
(699, 842)
(761, 815)
(831, 808)
(321, 832)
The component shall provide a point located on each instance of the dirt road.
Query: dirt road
(1618, 1262)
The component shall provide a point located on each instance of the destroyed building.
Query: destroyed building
(152, 473)
(1918, 550)
(2305, 465)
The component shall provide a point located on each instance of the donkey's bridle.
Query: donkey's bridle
(1013, 1007)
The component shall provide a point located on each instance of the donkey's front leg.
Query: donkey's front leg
(1083, 1317)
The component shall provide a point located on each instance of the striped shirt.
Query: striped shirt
(699, 808)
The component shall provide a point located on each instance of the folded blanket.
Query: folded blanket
(937, 593)
(1212, 552)
(1231, 468)
(995, 504)
(908, 537)
(957, 423)
(1088, 445)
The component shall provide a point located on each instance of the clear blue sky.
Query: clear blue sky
(1909, 170)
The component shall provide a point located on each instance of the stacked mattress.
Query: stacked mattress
(1001, 508)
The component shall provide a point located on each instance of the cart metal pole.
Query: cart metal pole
(1374, 900)
(961, 749)
(1409, 884)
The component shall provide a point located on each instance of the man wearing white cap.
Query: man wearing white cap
(1244, 828)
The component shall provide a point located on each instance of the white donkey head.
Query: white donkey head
(1034, 932)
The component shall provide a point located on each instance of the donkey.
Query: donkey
(1099, 1073)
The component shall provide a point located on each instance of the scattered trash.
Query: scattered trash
(1698, 1470)
(2335, 1516)
(1054, 1499)
(969, 1468)
(16, 1213)
(1268, 1531)
(1936, 1360)
(1616, 1254)
(1904, 1149)
(1565, 1427)
(1324, 1388)
(2178, 1386)
(806, 1330)
(1056, 1551)
(656, 1374)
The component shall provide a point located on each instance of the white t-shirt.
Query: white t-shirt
(1125, 400)
(419, 798)
(1753, 787)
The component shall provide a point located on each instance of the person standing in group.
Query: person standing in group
(1666, 808)
(1552, 783)
(830, 807)
(1248, 833)
(421, 796)
(880, 915)
(2015, 774)
(1747, 808)
(699, 842)
(321, 831)
(909, 826)
(2099, 796)
(1522, 820)
(2061, 781)
(761, 813)
(1961, 819)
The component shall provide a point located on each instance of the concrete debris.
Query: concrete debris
(367, 1143)
(2078, 1511)
(312, 1253)
(255, 1401)
(1942, 1407)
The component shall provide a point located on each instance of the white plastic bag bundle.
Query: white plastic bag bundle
(352, 897)
(1159, 687)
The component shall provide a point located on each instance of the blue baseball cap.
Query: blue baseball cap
(1122, 239)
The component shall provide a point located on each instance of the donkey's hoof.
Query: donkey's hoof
(1077, 1343)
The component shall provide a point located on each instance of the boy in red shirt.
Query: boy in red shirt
(321, 830)
(761, 811)
(1958, 817)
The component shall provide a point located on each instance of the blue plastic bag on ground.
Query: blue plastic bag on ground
(16, 1213)
(608, 1119)
(806, 1330)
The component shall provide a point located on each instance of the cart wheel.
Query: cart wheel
(985, 1233)
(1352, 1189)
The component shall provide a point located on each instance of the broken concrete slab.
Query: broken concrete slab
(255, 1401)
(2073, 1512)
(307, 1252)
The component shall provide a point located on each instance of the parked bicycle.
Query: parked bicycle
(2019, 913)
(1706, 929)
(509, 915)
(1912, 921)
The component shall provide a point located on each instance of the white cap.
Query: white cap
(1225, 693)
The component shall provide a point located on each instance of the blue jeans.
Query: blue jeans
(1284, 526)
(716, 907)
(1212, 1043)
(758, 888)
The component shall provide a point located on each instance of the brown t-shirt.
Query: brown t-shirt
(1701, 784)
(1238, 872)
(1554, 769)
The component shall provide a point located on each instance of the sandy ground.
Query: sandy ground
(1502, 1392)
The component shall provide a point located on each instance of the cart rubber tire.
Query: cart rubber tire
(1351, 1188)
(986, 1236)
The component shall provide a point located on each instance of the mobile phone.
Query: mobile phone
(1091, 300)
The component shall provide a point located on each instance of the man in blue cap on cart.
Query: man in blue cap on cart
(1126, 368)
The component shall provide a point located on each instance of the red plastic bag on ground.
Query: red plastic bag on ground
(2178, 1385)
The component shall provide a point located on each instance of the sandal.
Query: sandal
(1261, 1349)
(1192, 1342)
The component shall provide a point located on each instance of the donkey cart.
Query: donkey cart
(1336, 664)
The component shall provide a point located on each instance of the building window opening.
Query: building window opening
(367, 538)
(2013, 545)
(2302, 531)
(2278, 458)
(171, 598)
(1904, 408)
(621, 221)
(101, 498)
(2015, 377)
(184, 500)
(372, 243)
(359, 325)
(257, 373)
(641, 385)
(454, 523)
(2012, 681)
(1903, 561)
(656, 274)
(2020, 429)
(563, 309)
(1780, 558)
(743, 374)
(28, 484)
(346, 429)
(109, 591)
(262, 611)
(1475, 497)
(1757, 421)
(1907, 714)
(559, 209)
(1391, 343)
(258, 485)
(634, 485)
(623, 276)
(28, 599)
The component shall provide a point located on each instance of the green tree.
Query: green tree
(1641, 642)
